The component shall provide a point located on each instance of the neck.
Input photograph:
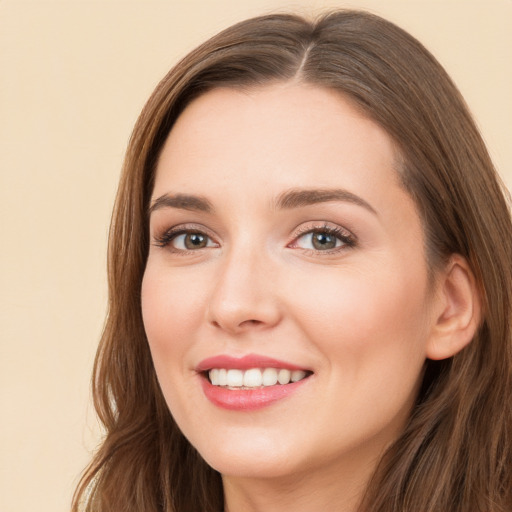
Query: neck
(326, 489)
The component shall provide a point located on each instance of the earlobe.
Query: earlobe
(458, 310)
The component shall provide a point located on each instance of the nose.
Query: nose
(244, 294)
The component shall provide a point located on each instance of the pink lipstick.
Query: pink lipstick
(249, 382)
(244, 363)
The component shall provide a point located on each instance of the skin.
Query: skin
(361, 317)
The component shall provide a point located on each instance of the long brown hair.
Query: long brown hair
(456, 452)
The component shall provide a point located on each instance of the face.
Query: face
(286, 297)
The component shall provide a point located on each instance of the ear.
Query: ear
(457, 310)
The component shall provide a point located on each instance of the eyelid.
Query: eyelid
(347, 238)
(166, 236)
(308, 227)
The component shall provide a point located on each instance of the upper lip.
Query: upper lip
(244, 363)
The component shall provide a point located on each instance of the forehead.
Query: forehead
(275, 137)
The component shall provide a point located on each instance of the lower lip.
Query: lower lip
(248, 399)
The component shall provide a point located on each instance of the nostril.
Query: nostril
(251, 322)
(245, 323)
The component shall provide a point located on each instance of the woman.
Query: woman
(309, 285)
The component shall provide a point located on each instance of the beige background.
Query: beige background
(73, 77)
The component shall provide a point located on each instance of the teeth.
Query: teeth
(269, 377)
(298, 375)
(214, 376)
(283, 377)
(254, 378)
(235, 378)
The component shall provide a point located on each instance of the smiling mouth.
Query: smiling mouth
(254, 377)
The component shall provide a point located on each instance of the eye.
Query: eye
(191, 241)
(179, 240)
(319, 240)
(324, 239)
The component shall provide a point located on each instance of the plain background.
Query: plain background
(73, 78)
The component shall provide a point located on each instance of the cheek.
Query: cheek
(171, 307)
(369, 330)
(171, 311)
(368, 316)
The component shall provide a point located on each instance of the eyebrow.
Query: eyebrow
(182, 202)
(296, 198)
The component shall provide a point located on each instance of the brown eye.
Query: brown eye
(191, 241)
(323, 241)
(195, 241)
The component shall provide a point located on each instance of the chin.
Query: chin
(242, 467)
(257, 458)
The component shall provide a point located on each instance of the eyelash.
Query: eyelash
(348, 240)
(165, 239)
